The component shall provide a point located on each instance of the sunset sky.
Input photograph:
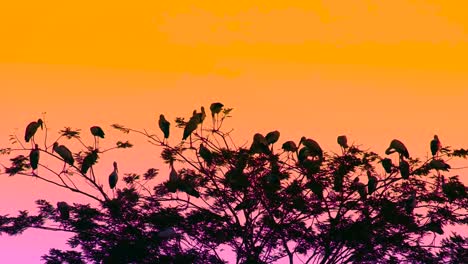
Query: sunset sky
(373, 70)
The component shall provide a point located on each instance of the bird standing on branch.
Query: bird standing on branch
(435, 145)
(34, 157)
(31, 130)
(313, 147)
(164, 125)
(64, 210)
(343, 142)
(97, 132)
(215, 109)
(114, 177)
(387, 165)
(64, 153)
(399, 147)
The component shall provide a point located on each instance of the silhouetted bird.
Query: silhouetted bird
(404, 169)
(215, 109)
(34, 157)
(259, 144)
(31, 129)
(438, 164)
(360, 188)
(164, 125)
(387, 165)
(64, 210)
(173, 175)
(399, 147)
(313, 146)
(190, 126)
(97, 131)
(205, 154)
(289, 146)
(372, 182)
(64, 153)
(202, 115)
(435, 145)
(272, 137)
(342, 141)
(114, 176)
(89, 161)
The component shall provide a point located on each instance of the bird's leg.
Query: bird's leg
(191, 141)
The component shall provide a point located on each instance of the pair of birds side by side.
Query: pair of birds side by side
(196, 119)
(397, 146)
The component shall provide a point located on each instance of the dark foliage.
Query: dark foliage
(265, 202)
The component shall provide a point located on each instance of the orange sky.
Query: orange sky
(374, 70)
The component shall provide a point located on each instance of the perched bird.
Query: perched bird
(114, 176)
(190, 126)
(397, 146)
(387, 165)
(215, 109)
(435, 145)
(404, 169)
(313, 146)
(289, 146)
(202, 115)
(64, 210)
(372, 183)
(205, 154)
(342, 141)
(173, 175)
(272, 137)
(439, 164)
(360, 188)
(31, 129)
(259, 144)
(89, 161)
(34, 157)
(64, 153)
(164, 125)
(97, 131)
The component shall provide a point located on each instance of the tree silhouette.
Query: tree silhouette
(265, 202)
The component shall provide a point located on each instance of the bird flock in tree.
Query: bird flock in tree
(231, 177)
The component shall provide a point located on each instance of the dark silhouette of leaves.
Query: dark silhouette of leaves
(265, 203)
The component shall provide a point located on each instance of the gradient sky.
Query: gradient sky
(374, 70)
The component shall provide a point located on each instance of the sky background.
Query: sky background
(373, 70)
